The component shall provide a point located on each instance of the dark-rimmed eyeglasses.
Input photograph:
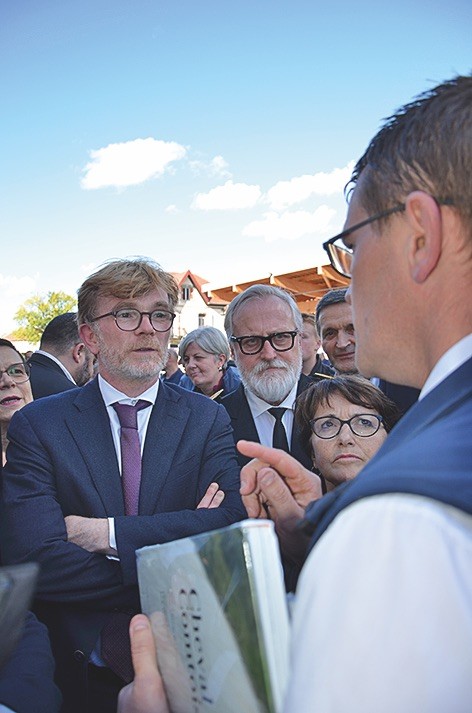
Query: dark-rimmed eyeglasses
(363, 424)
(253, 344)
(130, 319)
(18, 372)
(340, 254)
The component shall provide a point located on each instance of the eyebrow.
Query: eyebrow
(127, 303)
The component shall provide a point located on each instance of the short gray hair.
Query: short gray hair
(260, 292)
(209, 339)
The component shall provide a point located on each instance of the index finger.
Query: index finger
(283, 462)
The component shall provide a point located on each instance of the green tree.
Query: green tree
(37, 311)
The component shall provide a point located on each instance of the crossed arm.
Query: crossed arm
(91, 533)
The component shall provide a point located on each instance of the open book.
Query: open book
(218, 609)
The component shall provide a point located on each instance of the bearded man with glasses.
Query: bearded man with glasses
(97, 472)
(263, 325)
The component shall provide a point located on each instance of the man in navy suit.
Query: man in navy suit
(63, 361)
(63, 503)
(263, 325)
(385, 595)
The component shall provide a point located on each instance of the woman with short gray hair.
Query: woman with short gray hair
(204, 354)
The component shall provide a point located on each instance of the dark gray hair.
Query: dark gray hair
(332, 297)
(260, 292)
(426, 145)
(209, 339)
(61, 334)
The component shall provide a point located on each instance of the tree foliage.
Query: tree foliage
(37, 312)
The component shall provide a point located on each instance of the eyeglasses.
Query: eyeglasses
(340, 254)
(280, 341)
(18, 372)
(130, 319)
(363, 424)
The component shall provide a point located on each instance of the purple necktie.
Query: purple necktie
(130, 453)
(115, 647)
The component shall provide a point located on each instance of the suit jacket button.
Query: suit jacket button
(79, 655)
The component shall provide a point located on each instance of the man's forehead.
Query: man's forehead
(355, 212)
(337, 314)
(263, 313)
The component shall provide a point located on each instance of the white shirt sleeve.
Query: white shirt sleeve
(383, 612)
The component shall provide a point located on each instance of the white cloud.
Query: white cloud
(216, 167)
(219, 166)
(13, 292)
(230, 196)
(298, 189)
(290, 224)
(130, 163)
(172, 209)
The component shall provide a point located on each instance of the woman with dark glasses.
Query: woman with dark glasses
(15, 388)
(343, 421)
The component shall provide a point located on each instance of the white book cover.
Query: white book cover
(219, 614)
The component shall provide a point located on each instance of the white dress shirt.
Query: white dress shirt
(111, 396)
(264, 421)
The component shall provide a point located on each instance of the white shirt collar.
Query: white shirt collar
(259, 406)
(449, 362)
(111, 395)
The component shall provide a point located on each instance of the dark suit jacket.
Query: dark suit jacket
(26, 680)
(62, 461)
(403, 396)
(47, 377)
(244, 427)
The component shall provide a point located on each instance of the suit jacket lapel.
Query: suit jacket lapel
(90, 427)
(166, 427)
(241, 416)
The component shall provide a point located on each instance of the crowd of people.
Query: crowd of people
(350, 429)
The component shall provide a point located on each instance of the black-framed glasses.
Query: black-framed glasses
(340, 254)
(130, 319)
(253, 344)
(18, 372)
(362, 424)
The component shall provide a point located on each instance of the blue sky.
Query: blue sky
(211, 136)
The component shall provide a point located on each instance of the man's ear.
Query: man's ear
(78, 352)
(89, 338)
(424, 218)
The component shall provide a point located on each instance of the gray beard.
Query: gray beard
(271, 388)
(118, 365)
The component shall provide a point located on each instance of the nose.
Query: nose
(268, 351)
(344, 339)
(345, 435)
(146, 325)
(6, 381)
